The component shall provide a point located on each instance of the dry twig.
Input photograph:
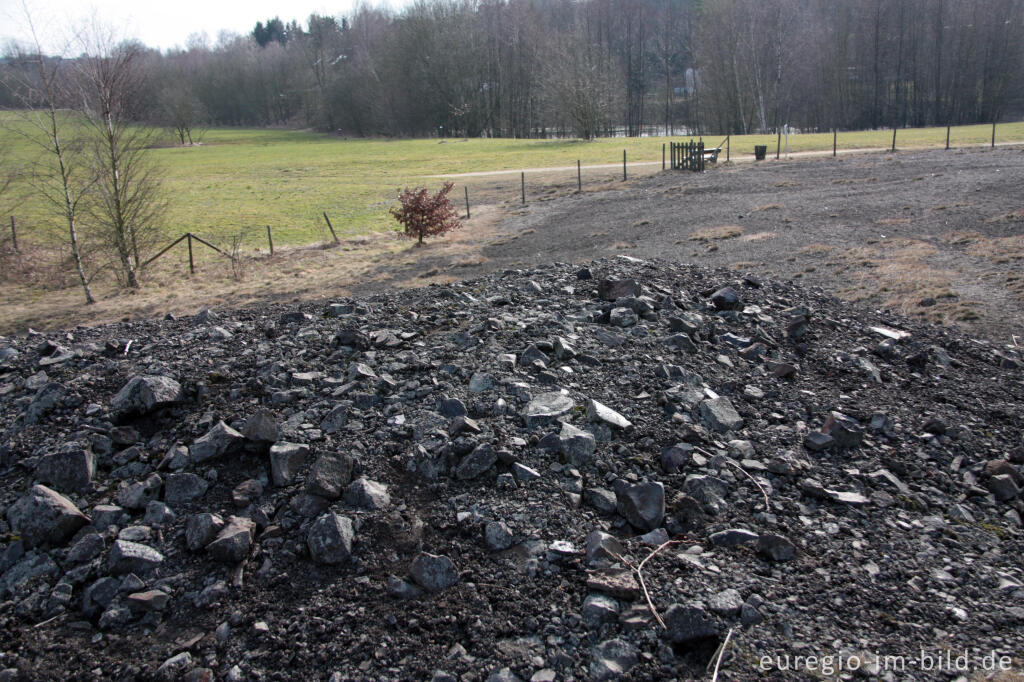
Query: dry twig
(721, 653)
(767, 504)
(640, 576)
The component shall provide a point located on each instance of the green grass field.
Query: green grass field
(240, 180)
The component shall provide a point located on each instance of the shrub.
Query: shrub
(425, 215)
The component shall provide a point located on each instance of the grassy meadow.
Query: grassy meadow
(237, 181)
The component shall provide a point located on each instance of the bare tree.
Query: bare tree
(59, 173)
(181, 110)
(128, 201)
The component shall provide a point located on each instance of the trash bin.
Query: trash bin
(759, 151)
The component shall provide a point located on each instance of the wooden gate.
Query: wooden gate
(687, 155)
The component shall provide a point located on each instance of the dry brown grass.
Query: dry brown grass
(816, 249)
(757, 236)
(767, 207)
(897, 274)
(1011, 217)
(893, 221)
(291, 274)
(717, 233)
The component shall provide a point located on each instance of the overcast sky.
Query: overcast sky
(157, 23)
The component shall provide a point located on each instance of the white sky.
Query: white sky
(157, 23)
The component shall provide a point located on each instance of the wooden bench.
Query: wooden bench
(712, 154)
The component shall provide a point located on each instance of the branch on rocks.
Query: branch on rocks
(720, 653)
(767, 504)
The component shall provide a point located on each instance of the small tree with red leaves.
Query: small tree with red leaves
(425, 215)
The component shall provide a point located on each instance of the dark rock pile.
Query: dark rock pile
(552, 474)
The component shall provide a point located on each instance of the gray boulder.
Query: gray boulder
(433, 572)
(285, 461)
(330, 539)
(642, 504)
(576, 444)
(70, 469)
(132, 557)
(216, 442)
(612, 659)
(201, 529)
(547, 407)
(179, 488)
(262, 427)
(720, 415)
(367, 494)
(480, 460)
(233, 541)
(139, 494)
(687, 623)
(45, 517)
(330, 475)
(143, 394)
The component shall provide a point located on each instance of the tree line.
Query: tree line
(584, 68)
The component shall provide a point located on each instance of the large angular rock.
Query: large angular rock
(642, 504)
(330, 539)
(547, 407)
(217, 441)
(140, 493)
(846, 431)
(201, 529)
(143, 394)
(433, 572)
(687, 623)
(132, 557)
(725, 298)
(733, 537)
(285, 461)
(480, 460)
(576, 444)
(330, 475)
(603, 548)
(599, 412)
(367, 494)
(720, 415)
(262, 427)
(183, 487)
(613, 289)
(776, 547)
(335, 420)
(612, 659)
(45, 517)
(70, 469)
(233, 541)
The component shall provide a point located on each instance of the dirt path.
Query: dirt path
(745, 158)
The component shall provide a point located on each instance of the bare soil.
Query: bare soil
(937, 235)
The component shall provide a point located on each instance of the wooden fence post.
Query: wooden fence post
(14, 235)
(778, 144)
(623, 165)
(662, 156)
(522, 186)
(947, 136)
(835, 134)
(331, 227)
(579, 177)
(993, 133)
(728, 147)
(270, 238)
(894, 138)
(467, 201)
(191, 262)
